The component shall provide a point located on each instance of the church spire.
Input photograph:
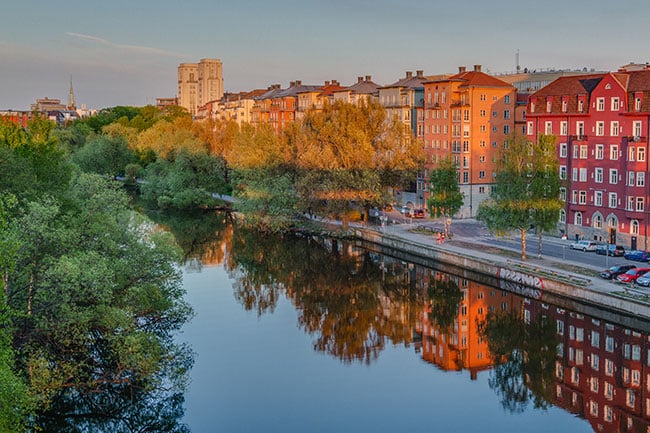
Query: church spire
(71, 104)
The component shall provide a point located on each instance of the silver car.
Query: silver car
(644, 280)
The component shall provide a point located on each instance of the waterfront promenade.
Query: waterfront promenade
(470, 248)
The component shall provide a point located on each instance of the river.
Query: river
(296, 334)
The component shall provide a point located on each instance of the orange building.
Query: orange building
(467, 117)
(461, 346)
(315, 99)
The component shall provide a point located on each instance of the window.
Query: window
(581, 106)
(616, 103)
(631, 153)
(613, 200)
(529, 128)
(563, 128)
(630, 397)
(574, 196)
(609, 390)
(583, 151)
(630, 178)
(600, 151)
(562, 216)
(630, 203)
(600, 104)
(562, 193)
(636, 352)
(598, 198)
(506, 99)
(600, 129)
(593, 408)
(583, 175)
(506, 114)
(637, 103)
(634, 227)
(577, 218)
(564, 105)
(609, 367)
(548, 128)
(576, 151)
(640, 154)
(563, 150)
(636, 129)
(506, 129)
(613, 176)
(580, 130)
(574, 174)
(639, 204)
(609, 343)
(549, 105)
(583, 197)
(595, 337)
(598, 221)
(598, 175)
(563, 172)
(613, 129)
(640, 178)
(465, 177)
(613, 152)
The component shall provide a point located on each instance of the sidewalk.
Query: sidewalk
(473, 243)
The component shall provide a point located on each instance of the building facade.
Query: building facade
(467, 117)
(601, 122)
(199, 83)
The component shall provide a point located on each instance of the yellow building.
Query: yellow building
(199, 83)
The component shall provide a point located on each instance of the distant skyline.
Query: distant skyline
(127, 52)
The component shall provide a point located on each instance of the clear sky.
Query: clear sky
(126, 52)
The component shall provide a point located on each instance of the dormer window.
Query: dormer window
(637, 103)
(549, 105)
(581, 106)
(564, 105)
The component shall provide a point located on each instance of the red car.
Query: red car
(631, 275)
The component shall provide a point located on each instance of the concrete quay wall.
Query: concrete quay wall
(564, 289)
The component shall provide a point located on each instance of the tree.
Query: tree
(445, 198)
(525, 193)
(104, 155)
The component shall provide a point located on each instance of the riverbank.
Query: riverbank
(542, 278)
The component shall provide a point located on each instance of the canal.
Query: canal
(310, 334)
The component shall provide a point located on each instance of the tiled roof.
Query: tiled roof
(479, 79)
(571, 85)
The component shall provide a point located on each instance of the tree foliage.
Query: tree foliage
(445, 198)
(526, 193)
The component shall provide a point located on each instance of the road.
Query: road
(552, 247)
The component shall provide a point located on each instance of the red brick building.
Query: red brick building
(601, 121)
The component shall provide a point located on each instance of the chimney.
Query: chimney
(409, 74)
(335, 82)
(292, 83)
(327, 83)
(477, 68)
(419, 73)
(359, 79)
(461, 69)
(368, 78)
(298, 82)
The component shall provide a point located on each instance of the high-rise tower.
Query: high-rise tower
(199, 83)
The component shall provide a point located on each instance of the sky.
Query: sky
(121, 52)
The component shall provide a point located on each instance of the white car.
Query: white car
(584, 245)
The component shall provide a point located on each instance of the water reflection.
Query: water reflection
(353, 303)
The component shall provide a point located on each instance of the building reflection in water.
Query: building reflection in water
(599, 369)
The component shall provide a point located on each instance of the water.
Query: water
(295, 336)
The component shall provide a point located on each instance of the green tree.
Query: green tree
(445, 198)
(104, 155)
(525, 193)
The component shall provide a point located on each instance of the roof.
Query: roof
(571, 85)
(361, 87)
(479, 79)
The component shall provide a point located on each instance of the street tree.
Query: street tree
(525, 194)
(445, 197)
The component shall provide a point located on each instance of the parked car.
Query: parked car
(610, 250)
(418, 213)
(631, 275)
(615, 271)
(584, 245)
(405, 210)
(644, 280)
(637, 255)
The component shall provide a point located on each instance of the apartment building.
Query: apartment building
(466, 116)
(199, 83)
(363, 90)
(601, 121)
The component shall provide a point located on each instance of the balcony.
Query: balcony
(637, 139)
(579, 137)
